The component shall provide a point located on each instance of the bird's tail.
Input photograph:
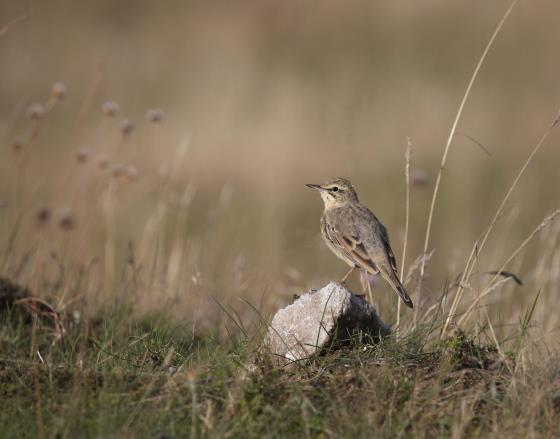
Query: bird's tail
(399, 289)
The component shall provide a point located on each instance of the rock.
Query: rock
(11, 294)
(319, 319)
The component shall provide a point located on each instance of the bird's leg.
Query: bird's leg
(370, 296)
(343, 281)
(363, 281)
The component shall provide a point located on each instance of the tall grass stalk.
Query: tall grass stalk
(407, 156)
(491, 286)
(470, 265)
(448, 146)
(194, 403)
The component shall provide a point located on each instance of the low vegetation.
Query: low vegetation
(113, 375)
(142, 251)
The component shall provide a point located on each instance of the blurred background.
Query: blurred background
(167, 165)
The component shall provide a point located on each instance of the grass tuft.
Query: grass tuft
(143, 377)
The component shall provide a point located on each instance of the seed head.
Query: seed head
(419, 178)
(36, 111)
(58, 91)
(82, 155)
(373, 279)
(42, 216)
(155, 115)
(163, 171)
(110, 108)
(116, 170)
(191, 376)
(126, 126)
(66, 220)
(17, 145)
(131, 173)
(102, 161)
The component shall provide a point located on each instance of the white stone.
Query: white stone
(316, 320)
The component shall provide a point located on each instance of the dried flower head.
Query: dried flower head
(110, 108)
(36, 111)
(58, 91)
(155, 115)
(83, 155)
(65, 219)
(116, 170)
(163, 171)
(371, 279)
(102, 161)
(42, 216)
(419, 178)
(126, 126)
(17, 145)
(190, 374)
(131, 173)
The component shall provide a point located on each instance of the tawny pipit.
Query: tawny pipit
(355, 235)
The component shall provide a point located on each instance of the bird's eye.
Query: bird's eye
(334, 189)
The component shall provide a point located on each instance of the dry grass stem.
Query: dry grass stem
(448, 146)
(408, 156)
(495, 281)
(470, 266)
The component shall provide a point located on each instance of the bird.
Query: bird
(354, 234)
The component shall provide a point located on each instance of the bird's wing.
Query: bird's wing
(388, 267)
(348, 240)
(389, 251)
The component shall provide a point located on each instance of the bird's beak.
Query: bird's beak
(314, 186)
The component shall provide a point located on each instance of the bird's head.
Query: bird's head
(336, 192)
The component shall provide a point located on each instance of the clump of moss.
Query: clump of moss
(462, 351)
